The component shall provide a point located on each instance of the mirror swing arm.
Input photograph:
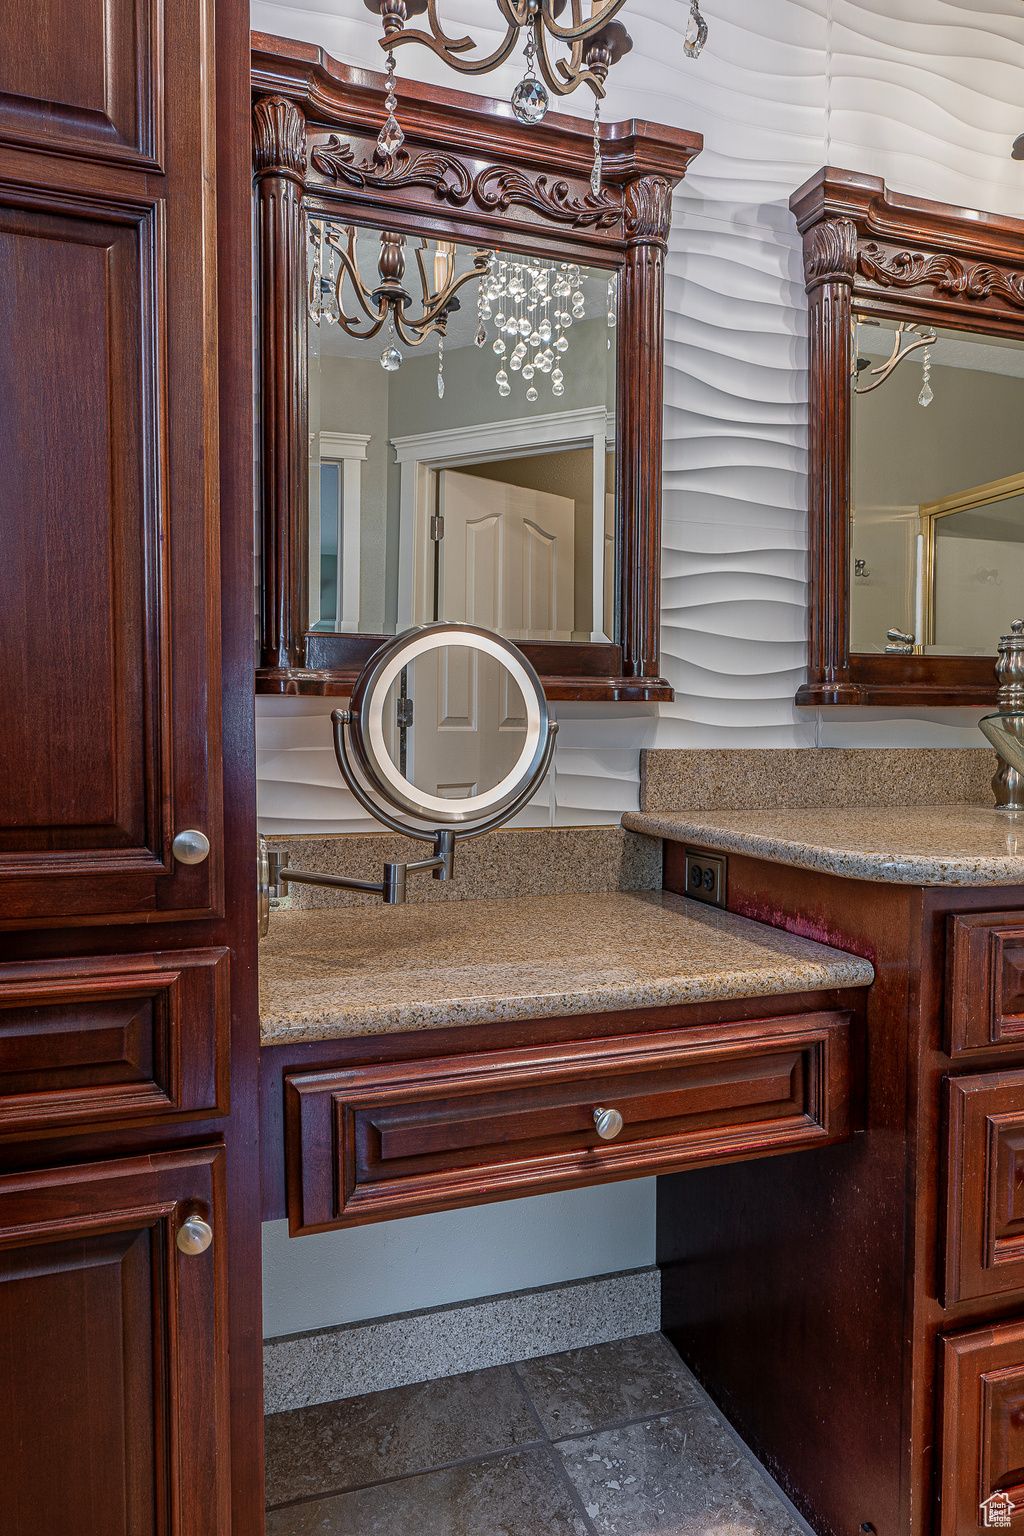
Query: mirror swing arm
(906, 261)
(360, 744)
(468, 172)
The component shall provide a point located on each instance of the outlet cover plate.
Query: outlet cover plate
(706, 876)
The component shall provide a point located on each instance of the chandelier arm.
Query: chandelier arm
(899, 352)
(571, 74)
(578, 29)
(376, 315)
(446, 47)
(424, 282)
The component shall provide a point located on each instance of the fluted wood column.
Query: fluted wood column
(641, 354)
(830, 257)
(279, 163)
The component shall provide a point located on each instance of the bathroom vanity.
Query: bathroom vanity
(450, 1053)
(859, 1316)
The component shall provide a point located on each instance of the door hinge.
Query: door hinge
(437, 528)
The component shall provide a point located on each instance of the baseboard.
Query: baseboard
(301, 1369)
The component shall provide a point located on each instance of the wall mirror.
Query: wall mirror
(916, 465)
(469, 474)
(460, 353)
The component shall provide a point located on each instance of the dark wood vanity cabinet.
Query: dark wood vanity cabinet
(130, 1368)
(860, 1315)
(372, 1128)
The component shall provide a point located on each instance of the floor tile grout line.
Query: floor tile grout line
(643, 1418)
(401, 1477)
(531, 1405)
(562, 1472)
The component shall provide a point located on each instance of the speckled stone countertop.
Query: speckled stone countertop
(899, 845)
(380, 970)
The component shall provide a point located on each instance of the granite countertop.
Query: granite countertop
(898, 845)
(380, 970)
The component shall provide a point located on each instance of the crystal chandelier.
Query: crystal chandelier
(586, 47)
(334, 274)
(533, 305)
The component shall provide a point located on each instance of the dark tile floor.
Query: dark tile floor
(617, 1440)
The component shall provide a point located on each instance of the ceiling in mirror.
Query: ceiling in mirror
(936, 510)
(461, 452)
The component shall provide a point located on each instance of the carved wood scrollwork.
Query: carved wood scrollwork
(495, 187)
(911, 269)
(499, 187)
(278, 138)
(446, 177)
(830, 253)
(648, 209)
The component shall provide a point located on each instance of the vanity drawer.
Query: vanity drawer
(985, 983)
(374, 1142)
(112, 1038)
(984, 1185)
(982, 1430)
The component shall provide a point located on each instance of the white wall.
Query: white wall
(429, 1261)
(923, 92)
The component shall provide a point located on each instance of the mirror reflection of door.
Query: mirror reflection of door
(937, 494)
(458, 724)
(506, 558)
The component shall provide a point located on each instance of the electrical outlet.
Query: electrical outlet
(706, 876)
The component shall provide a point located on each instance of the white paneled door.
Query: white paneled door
(507, 557)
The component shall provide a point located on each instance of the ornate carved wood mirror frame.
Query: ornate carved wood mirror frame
(468, 171)
(893, 258)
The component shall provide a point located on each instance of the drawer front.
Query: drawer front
(112, 1038)
(985, 983)
(981, 1478)
(371, 1143)
(984, 1186)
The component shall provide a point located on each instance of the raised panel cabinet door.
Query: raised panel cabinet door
(109, 581)
(113, 1395)
(984, 1185)
(981, 1478)
(985, 992)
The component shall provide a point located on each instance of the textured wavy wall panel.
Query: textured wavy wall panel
(923, 92)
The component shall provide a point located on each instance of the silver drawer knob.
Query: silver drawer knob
(608, 1123)
(191, 847)
(194, 1235)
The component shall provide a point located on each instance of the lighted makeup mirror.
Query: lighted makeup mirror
(448, 728)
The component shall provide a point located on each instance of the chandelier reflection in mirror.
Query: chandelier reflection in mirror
(908, 337)
(531, 303)
(579, 50)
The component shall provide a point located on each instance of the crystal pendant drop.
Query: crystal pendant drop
(925, 397)
(696, 33)
(391, 137)
(440, 386)
(531, 394)
(391, 359)
(595, 177)
(481, 337)
(529, 100)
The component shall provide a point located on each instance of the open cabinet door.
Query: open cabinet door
(129, 1344)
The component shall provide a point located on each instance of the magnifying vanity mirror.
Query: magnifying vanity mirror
(448, 728)
(916, 469)
(459, 381)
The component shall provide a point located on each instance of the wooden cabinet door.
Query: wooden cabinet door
(113, 1411)
(109, 645)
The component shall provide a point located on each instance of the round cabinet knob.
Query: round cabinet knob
(194, 1235)
(191, 847)
(608, 1122)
